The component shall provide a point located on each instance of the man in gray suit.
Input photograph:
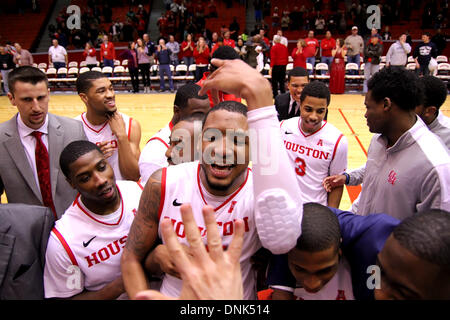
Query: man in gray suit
(24, 233)
(31, 142)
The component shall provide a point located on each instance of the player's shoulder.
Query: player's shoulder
(291, 123)
(128, 186)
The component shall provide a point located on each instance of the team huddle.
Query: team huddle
(282, 180)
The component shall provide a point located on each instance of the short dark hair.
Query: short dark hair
(224, 53)
(84, 80)
(297, 72)
(26, 74)
(231, 106)
(316, 89)
(186, 92)
(198, 116)
(402, 86)
(426, 234)
(426, 33)
(320, 229)
(435, 91)
(73, 151)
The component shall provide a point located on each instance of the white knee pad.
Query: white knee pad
(278, 220)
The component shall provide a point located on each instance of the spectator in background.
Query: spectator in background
(278, 61)
(6, 66)
(218, 44)
(163, 55)
(372, 57)
(285, 22)
(149, 44)
(275, 18)
(355, 47)
(257, 4)
(327, 45)
(319, 24)
(201, 57)
(107, 53)
(227, 41)
(143, 63)
(283, 39)
(397, 54)
(251, 53)
(440, 40)
(22, 57)
(259, 59)
(423, 53)
(234, 29)
(212, 8)
(90, 56)
(115, 29)
(133, 69)
(174, 46)
(187, 50)
(298, 54)
(311, 50)
(57, 55)
(337, 73)
(386, 34)
(240, 49)
(214, 38)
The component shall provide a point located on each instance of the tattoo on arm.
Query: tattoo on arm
(144, 230)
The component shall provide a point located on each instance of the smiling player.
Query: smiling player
(316, 148)
(117, 135)
(84, 248)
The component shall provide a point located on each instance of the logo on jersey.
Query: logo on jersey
(392, 177)
(287, 132)
(85, 244)
(233, 203)
(307, 151)
(176, 204)
(320, 143)
(106, 252)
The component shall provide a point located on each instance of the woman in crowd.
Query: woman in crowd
(133, 69)
(337, 74)
(144, 64)
(187, 50)
(90, 55)
(201, 56)
(298, 56)
(240, 49)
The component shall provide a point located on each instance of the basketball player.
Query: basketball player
(408, 167)
(429, 112)
(316, 262)
(84, 248)
(187, 102)
(316, 148)
(117, 135)
(389, 258)
(223, 180)
(183, 138)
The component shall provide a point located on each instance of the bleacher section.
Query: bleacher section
(24, 28)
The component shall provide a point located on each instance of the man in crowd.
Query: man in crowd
(288, 104)
(22, 57)
(278, 61)
(397, 54)
(355, 47)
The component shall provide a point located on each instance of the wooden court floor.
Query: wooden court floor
(154, 111)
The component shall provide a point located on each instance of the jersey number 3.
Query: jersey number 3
(300, 166)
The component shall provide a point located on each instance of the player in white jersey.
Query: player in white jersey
(222, 178)
(320, 270)
(187, 102)
(117, 135)
(430, 113)
(316, 148)
(85, 246)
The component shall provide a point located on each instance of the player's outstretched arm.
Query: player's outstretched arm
(142, 236)
(278, 204)
(207, 275)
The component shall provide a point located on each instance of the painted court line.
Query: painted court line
(353, 191)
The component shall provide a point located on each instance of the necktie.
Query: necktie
(292, 112)
(43, 171)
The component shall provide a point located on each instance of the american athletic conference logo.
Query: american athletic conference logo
(392, 177)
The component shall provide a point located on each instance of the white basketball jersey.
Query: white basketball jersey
(182, 184)
(338, 288)
(153, 156)
(91, 242)
(315, 156)
(102, 133)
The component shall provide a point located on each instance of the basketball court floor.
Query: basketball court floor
(154, 111)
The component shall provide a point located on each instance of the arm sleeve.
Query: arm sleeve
(339, 163)
(435, 189)
(278, 206)
(61, 278)
(357, 176)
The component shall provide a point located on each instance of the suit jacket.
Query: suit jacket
(24, 232)
(282, 105)
(16, 176)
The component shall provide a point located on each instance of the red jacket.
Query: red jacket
(107, 53)
(188, 52)
(279, 55)
(222, 95)
(201, 58)
(229, 42)
(327, 45)
(299, 59)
